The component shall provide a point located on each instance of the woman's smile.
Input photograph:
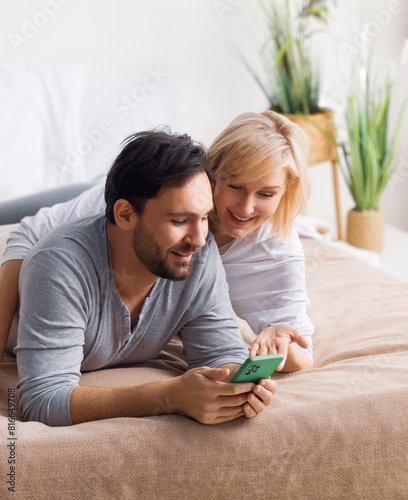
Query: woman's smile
(240, 220)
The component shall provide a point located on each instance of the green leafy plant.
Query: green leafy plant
(291, 78)
(370, 150)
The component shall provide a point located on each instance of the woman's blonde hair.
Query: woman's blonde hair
(254, 145)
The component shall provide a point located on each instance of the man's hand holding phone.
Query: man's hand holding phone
(258, 369)
(204, 394)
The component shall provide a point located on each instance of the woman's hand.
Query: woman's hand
(276, 339)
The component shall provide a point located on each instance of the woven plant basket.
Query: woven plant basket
(365, 229)
(321, 133)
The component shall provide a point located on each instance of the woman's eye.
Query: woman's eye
(267, 195)
(234, 187)
(178, 222)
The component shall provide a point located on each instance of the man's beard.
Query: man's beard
(150, 254)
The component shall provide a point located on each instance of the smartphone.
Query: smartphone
(257, 367)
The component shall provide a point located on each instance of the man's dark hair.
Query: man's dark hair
(150, 161)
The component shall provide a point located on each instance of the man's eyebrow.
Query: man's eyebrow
(181, 214)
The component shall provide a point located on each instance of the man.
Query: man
(115, 288)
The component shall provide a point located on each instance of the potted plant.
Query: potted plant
(292, 76)
(368, 156)
(289, 76)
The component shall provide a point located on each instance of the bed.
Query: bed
(336, 431)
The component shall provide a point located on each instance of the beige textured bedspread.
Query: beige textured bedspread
(337, 431)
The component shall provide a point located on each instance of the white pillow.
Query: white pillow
(40, 110)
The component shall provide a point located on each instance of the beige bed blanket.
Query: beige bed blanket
(337, 431)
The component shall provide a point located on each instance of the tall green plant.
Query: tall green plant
(370, 151)
(292, 82)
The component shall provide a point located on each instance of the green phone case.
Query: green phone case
(257, 367)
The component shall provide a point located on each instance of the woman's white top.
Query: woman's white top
(266, 276)
(266, 279)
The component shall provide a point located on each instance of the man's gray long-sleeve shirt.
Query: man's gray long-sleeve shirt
(72, 318)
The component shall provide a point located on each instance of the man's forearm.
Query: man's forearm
(200, 393)
(97, 403)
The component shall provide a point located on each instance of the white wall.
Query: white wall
(116, 41)
(188, 40)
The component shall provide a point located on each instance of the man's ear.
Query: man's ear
(125, 216)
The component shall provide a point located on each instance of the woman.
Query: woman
(261, 183)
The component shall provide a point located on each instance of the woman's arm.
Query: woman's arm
(9, 273)
(12, 211)
(297, 360)
(267, 286)
(33, 228)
